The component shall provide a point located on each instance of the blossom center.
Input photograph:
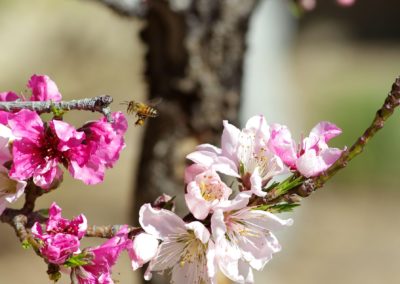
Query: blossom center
(193, 251)
(211, 189)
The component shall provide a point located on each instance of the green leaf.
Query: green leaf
(278, 208)
(26, 244)
(57, 111)
(273, 185)
(288, 184)
(78, 260)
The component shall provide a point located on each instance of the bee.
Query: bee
(142, 110)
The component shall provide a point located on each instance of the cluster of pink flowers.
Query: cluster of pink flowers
(33, 149)
(60, 244)
(227, 233)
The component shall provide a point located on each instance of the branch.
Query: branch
(127, 8)
(109, 231)
(310, 185)
(99, 104)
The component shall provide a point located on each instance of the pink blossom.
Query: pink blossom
(184, 249)
(61, 237)
(10, 190)
(205, 193)
(244, 152)
(104, 142)
(6, 97)
(38, 150)
(244, 240)
(43, 89)
(104, 258)
(313, 155)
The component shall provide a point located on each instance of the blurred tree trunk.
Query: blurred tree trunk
(194, 63)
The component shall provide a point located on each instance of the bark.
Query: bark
(194, 63)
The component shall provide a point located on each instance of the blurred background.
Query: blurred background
(333, 64)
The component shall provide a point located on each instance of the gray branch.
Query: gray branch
(127, 8)
(98, 104)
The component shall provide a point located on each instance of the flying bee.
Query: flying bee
(142, 110)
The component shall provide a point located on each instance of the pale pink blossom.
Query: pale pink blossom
(244, 240)
(184, 249)
(43, 89)
(6, 138)
(313, 155)
(61, 237)
(207, 192)
(104, 257)
(248, 154)
(143, 249)
(10, 190)
(308, 4)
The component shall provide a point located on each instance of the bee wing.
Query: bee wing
(154, 101)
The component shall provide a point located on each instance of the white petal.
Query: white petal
(160, 222)
(144, 249)
(218, 226)
(200, 231)
(256, 183)
(230, 140)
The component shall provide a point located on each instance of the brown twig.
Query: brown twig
(96, 104)
(109, 231)
(310, 185)
(127, 8)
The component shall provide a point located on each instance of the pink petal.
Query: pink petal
(8, 96)
(326, 130)
(43, 89)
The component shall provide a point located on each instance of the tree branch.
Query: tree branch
(109, 231)
(98, 104)
(127, 8)
(310, 185)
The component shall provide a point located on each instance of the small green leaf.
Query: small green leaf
(273, 185)
(26, 244)
(278, 208)
(57, 111)
(288, 184)
(78, 260)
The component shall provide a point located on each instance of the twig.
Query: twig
(310, 185)
(99, 104)
(108, 231)
(127, 8)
